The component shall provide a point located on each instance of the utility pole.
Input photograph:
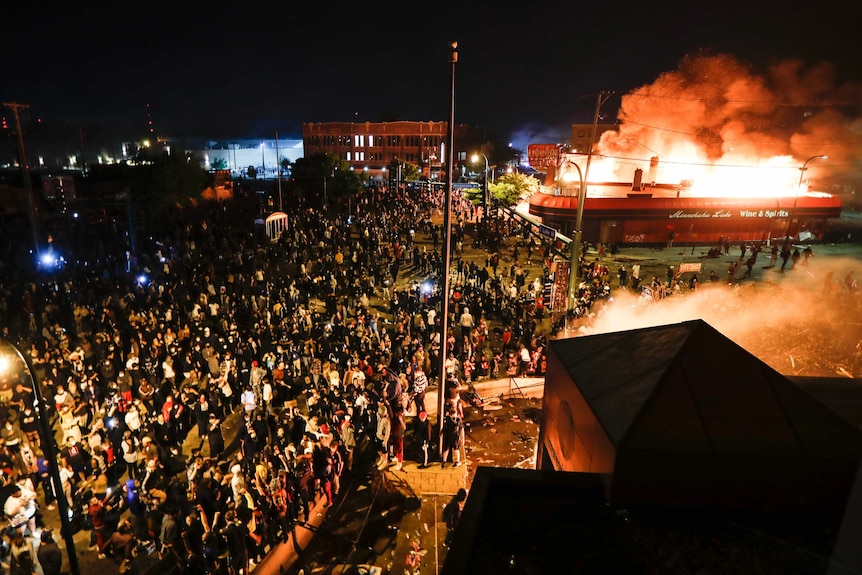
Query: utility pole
(577, 237)
(83, 157)
(278, 171)
(25, 172)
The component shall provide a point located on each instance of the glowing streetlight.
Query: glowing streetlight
(796, 196)
(8, 353)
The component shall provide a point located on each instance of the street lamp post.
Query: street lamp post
(574, 257)
(796, 196)
(582, 196)
(49, 450)
(447, 261)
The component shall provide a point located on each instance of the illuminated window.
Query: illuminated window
(348, 156)
(370, 141)
(360, 156)
(359, 141)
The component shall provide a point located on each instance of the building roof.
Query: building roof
(688, 388)
(523, 521)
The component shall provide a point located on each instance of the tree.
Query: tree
(409, 172)
(251, 172)
(165, 183)
(510, 188)
(326, 177)
(475, 195)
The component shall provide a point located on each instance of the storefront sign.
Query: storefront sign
(541, 156)
(710, 214)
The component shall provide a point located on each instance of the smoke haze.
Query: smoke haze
(790, 323)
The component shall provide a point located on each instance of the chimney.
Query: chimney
(653, 169)
(637, 185)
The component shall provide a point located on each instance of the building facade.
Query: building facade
(372, 147)
(611, 215)
(582, 136)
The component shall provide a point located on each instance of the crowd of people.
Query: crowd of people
(311, 348)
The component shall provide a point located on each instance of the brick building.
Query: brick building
(371, 147)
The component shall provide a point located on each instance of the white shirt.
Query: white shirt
(247, 399)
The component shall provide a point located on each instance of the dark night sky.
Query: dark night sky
(246, 69)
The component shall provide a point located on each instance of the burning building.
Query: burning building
(629, 214)
(712, 150)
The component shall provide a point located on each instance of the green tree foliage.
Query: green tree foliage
(475, 195)
(510, 188)
(409, 172)
(165, 183)
(310, 174)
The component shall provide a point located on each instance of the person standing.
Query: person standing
(422, 436)
(384, 427)
(420, 386)
(749, 264)
(452, 515)
(785, 255)
(636, 276)
(49, 555)
(452, 437)
(396, 437)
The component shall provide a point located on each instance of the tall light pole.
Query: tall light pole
(796, 196)
(278, 171)
(49, 450)
(582, 197)
(447, 261)
(574, 257)
(485, 204)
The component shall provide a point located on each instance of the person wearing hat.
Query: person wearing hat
(215, 437)
(422, 435)
(49, 554)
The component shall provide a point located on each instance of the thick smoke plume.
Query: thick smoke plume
(716, 118)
